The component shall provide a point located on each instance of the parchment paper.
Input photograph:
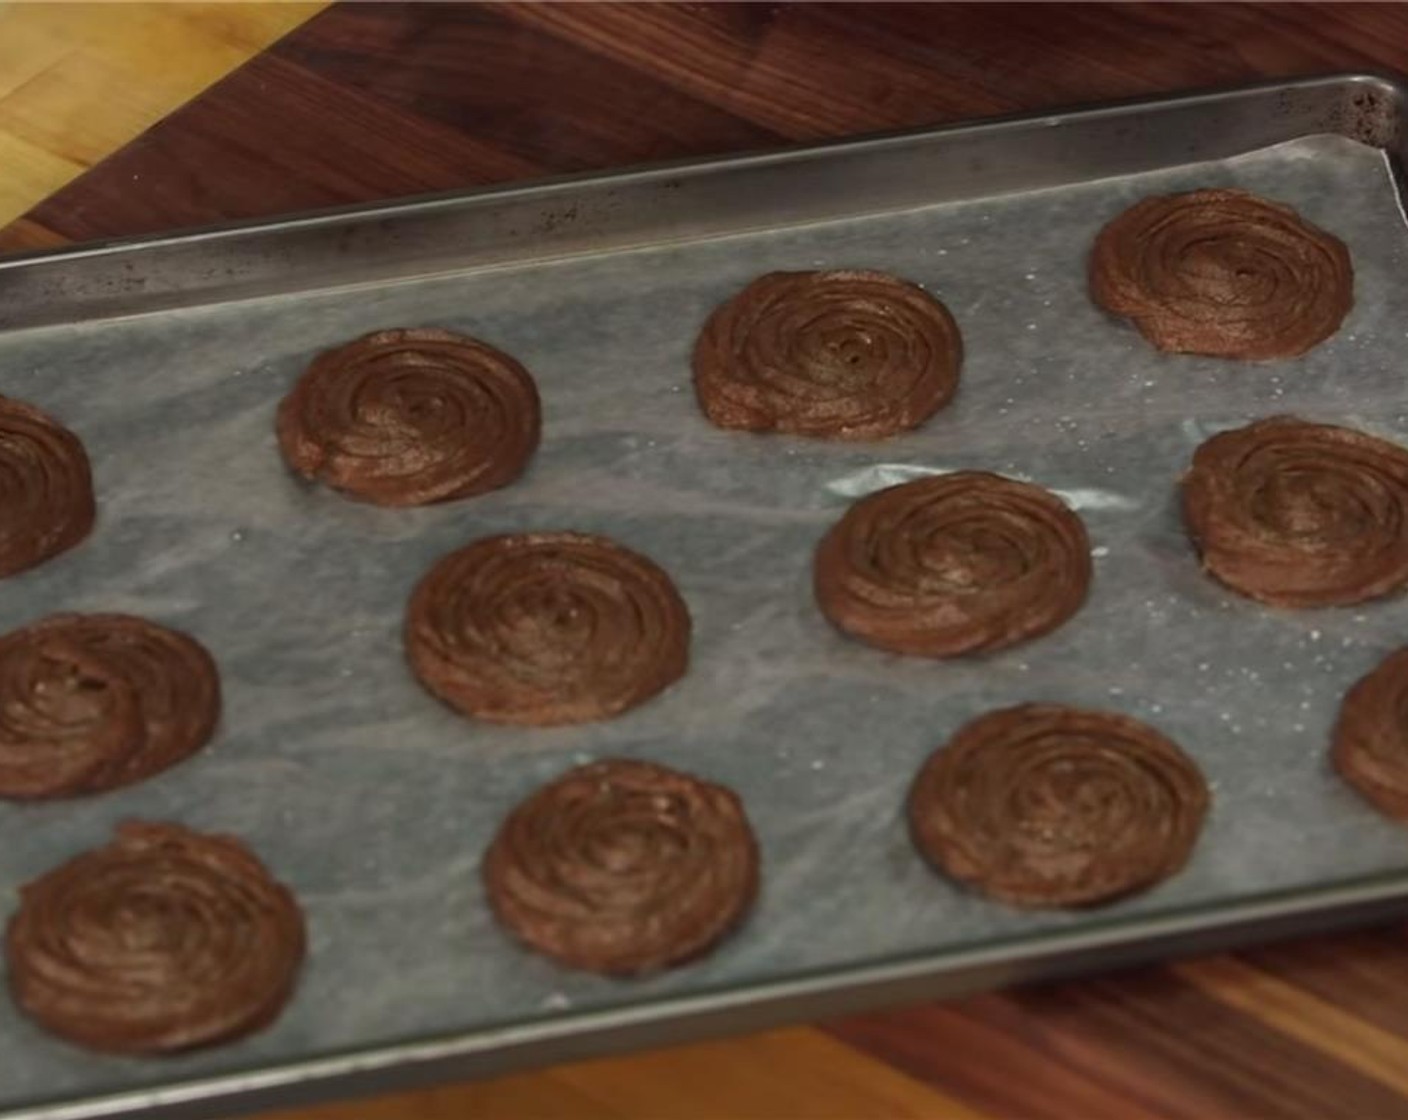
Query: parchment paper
(374, 802)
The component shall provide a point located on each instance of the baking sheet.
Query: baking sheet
(373, 802)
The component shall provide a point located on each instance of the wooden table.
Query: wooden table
(373, 101)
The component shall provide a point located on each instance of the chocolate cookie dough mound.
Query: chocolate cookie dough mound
(46, 488)
(1371, 738)
(960, 563)
(1300, 515)
(546, 628)
(845, 355)
(1042, 805)
(164, 940)
(410, 417)
(1223, 273)
(90, 702)
(623, 867)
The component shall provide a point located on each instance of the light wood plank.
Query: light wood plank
(788, 1073)
(29, 173)
(27, 48)
(78, 81)
(76, 108)
(1302, 1015)
(527, 1097)
(782, 1075)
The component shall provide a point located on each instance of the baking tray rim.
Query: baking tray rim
(1393, 86)
(673, 1018)
(1023, 958)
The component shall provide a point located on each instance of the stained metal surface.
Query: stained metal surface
(374, 802)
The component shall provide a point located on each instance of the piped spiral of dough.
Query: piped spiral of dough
(959, 563)
(1043, 805)
(1222, 273)
(546, 628)
(46, 488)
(623, 867)
(1370, 748)
(843, 355)
(90, 702)
(163, 940)
(411, 417)
(1297, 514)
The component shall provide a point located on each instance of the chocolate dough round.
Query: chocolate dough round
(546, 628)
(90, 702)
(410, 417)
(1296, 514)
(1371, 738)
(164, 940)
(1042, 805)
(843, 355)
(623, 867)
(46, 488)
(1222, 273)
(959, 563)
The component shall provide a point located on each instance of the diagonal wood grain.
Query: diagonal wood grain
(369, 101)
(1303, 1016)
(79, 80)
(1147, 1037)
(633, 116)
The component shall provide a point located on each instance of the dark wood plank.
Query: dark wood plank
(800, 72)
(819, 70)
(271, 139)
(999, 1069)
(27, 235)
(1037, 56)
(547, 100)
(1151, 1043)
(1364, 973)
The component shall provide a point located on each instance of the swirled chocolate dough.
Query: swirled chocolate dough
(841, 355)
(90, 702)
(1222, 273)
(960, 563)
(546, 628)
(1042, 805)
(164, 940)
(1296, 514)
(410, 417)
(623, 868)
(46, 488)
(1370, 748)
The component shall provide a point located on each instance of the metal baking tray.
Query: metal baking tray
(168, 356)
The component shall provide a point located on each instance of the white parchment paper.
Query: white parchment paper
(374, 802)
